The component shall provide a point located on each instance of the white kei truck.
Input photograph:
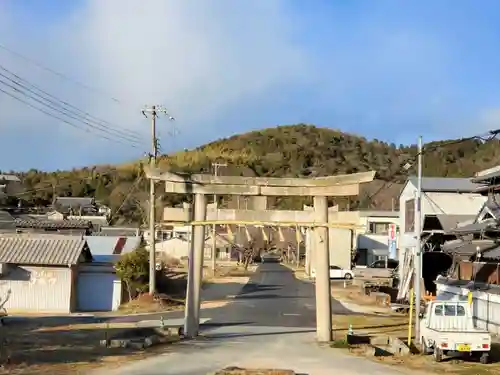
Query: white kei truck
(448, 327)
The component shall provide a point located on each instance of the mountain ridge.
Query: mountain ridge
(284, 151)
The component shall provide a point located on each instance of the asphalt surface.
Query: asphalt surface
(273, 297)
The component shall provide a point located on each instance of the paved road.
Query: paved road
(273, 297)
(279, 314)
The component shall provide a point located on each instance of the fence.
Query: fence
(485, 302)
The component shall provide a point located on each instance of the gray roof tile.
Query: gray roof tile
(75, 201)
(446, 184)
(42, 249)
(9, 177)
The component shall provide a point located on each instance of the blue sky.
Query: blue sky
(382, 69)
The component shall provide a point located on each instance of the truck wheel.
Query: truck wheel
(438, 355)
(424, 349)
(485, 358)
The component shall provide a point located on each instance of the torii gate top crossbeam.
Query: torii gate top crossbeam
(342, 185)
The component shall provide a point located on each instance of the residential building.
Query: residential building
(58, 273)
(10, 185)
(178, 247)
(169, 232)
(97, 221)
(445, 203)
(10, 223)
(100, 275)
(39, 272)
(367, 242)
(75, 205)
(373, 240)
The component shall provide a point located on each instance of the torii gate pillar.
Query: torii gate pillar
(195, 273)
(322, 258)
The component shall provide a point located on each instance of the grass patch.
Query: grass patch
(340, 344)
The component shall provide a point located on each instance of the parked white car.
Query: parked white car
(336, 273)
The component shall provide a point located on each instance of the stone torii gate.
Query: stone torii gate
(320, 188)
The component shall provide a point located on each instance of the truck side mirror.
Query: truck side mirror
(421, 315)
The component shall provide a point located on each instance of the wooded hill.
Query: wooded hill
(292, 151)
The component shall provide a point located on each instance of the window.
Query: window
(410, 216)
(379, 228)
(334, 267)
(438, 310)
(450, 310)
(460, 310)
(378, 264)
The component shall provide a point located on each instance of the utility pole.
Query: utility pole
(417, 277)
(216, 167)
(153, 111)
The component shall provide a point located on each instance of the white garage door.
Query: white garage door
(95, 291)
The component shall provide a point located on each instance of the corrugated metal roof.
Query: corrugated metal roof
(41, 249)
(450, 222)
(468, 248)
(110, 248)
(484, 226)
(446, 184)
(379, 213)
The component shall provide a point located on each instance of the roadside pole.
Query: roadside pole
(154, 111)
(214, 239)
(417, 277)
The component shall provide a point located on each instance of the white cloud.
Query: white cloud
(198, 58)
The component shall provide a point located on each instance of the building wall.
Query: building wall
(435, 204)
(37, 289)
(375, 245)
(340, 243)
(178, 248)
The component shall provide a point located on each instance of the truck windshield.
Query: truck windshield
(449, 310)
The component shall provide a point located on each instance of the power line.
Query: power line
(57, 101)
(127, 196)
(133, 144)
(486, 137)
(58, 74)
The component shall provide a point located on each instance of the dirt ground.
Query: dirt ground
(43, 346)
(241, 371)
(60, 345)
(382, 321)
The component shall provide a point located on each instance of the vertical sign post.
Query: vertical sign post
(392, 241)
